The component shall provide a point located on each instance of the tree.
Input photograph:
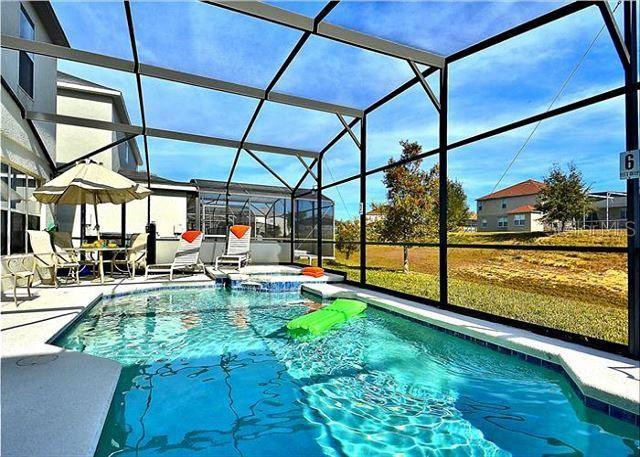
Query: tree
(412, 210)
(564, 196)
(347, 234)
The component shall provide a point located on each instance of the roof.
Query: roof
(47, 15)
(116, 95)
(524, 209)
(528, 187)
(71, 79)
(208, 185)
(141, 176)
(607, 194)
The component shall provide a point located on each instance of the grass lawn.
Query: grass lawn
(580, 292)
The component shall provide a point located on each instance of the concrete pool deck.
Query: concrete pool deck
(601, 376)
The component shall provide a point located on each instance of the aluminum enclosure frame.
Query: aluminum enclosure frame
(625, 43)
(626, 48)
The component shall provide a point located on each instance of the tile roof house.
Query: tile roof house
(512, 209)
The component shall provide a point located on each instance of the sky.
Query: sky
(502, 84)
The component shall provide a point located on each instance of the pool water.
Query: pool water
(211, 372)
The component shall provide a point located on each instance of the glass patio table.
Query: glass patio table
(99, 254)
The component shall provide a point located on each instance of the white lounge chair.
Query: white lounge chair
(187, 256)
(238, 247)
(48, 258)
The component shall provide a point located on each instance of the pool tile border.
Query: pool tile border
(594, 403)
(218, 283)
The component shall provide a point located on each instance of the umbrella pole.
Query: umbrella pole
(95, 210)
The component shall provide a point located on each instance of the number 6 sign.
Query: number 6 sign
(630, 164)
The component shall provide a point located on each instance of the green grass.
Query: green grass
(607, 238)
(581, 293)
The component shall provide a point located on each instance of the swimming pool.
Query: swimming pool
(211, 372)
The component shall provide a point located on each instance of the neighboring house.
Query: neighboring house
(374, 215)
(471, 223)
(609, 210)
(512, 209)
(81, 98)
(28, 151)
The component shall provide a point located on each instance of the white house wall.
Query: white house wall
(45, 71)
(74, 141)
(20, 148)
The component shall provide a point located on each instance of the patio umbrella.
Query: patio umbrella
(90, 183)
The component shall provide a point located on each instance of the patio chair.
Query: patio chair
(63, 245)
(238, 247)
(20, 267)
(47, 257)
(187, 256)
(135, 256)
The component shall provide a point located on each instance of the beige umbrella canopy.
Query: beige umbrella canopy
(90, 183)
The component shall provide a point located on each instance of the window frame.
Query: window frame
(503, 222)
(26, 60)
(519, 220)
(29, 211)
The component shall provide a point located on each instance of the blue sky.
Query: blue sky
(500, 85)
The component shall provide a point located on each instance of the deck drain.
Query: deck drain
(32, 361)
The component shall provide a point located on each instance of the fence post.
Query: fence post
(633, 192)
(363, 200)
(443, 177)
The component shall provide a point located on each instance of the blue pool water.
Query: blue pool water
(212, 373)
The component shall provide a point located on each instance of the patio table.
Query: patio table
(100, 254)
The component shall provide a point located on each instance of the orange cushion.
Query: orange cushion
(315, 272)
(239, 230)
(313, 275)
(191, 235)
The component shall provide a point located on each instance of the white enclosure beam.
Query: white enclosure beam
(168, 134)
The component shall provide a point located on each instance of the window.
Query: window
(519, 220)
(479, 207)
(25, 65)
(623, 213)
(484, 222)
(502, 222)
(504, 203)
(19, 211)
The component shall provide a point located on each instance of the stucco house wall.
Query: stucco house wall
(19, 147)
(491, 210)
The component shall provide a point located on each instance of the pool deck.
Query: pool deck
(603, 377)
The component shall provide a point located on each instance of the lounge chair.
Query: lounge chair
(47, 257)
(238, 247)
(187, 256)
(135, 256)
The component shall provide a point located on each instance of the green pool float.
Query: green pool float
(323, 319)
